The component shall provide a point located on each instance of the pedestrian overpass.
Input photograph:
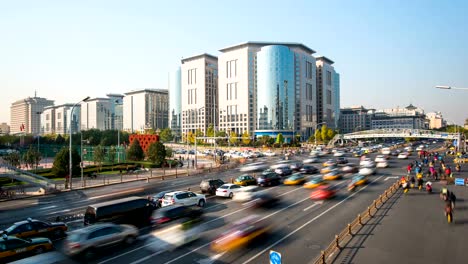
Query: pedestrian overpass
(14, 173)
(394, 133)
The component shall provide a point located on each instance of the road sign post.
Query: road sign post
(459, 181)
(275, 257)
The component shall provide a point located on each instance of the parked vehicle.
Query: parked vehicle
(131, 210)
(210, 185)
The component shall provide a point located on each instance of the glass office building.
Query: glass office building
(175, 107)
(276, 100)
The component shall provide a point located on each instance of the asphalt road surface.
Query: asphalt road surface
(301, 227)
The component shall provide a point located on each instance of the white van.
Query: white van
(385, 151)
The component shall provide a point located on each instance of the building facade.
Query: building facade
(175, 106)
(116, 111)
(355, 119)
(56, 119)
(328, 104)
(145, 109)
(96, 114)
(4, 129)
(436, 120)
(199, 93)
(25, 115)
(410, 117)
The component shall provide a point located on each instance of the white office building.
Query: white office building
(145, 109)
(56, 119)
(96, 114)
(199, 92)
(25, 115)
(436, 120)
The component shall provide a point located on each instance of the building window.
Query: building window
(231, 68)
(328, 77)
(192, 76)
(329, 97)
(308, 91)
(309, 70)
(47, 117)
(59, 115)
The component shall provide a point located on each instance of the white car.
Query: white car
(269, 153)
(382, 164)
(402, 156)
(338, 154)
(313, 154)
(366, 171)
(185, 198)
(227, 190)
(311, 160)
(380, 158)
(246, 194)
(252, 167)
(386, 151)
(368, 163)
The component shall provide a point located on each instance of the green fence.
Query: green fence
(50, 151)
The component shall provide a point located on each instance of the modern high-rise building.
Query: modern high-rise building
(267, 88)
(328, 104)
(96, 114)
(145, 109)
(25, 115)
(56, 119)
(175, 106)
(199, 92)
(116, 111)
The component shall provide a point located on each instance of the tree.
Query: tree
(221, 140)
(13, 159)
(32, 157)
(156, 153)
(169, 152)
(191, 137)
(99, 155)
(61, 164)
(279, 139)
(233, 137)
(330, 134)
(265, 140)
(112, 154)
(135, 152)
(324, 133)
(311, 139)
(246, 138)
(318, 135)
(59, 140)
(210, 131)
(166, 135)
(199, 133)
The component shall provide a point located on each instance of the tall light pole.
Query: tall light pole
(315, 131)
(445, 87)
(70, 169)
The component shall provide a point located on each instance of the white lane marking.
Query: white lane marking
(48, 207)
(202, 246)
(391, 177)
(307, 223)
(313, 205)
(211, 259)
(62, 211)
(116, 193)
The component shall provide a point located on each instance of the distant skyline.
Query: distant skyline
(388, 53)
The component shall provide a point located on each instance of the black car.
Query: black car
(266, 200)
(295, 166)
(283, 171)
(268, 179)
(174, 212)
(341, 160)
(308, 169)
(210, 185)
(35, 228)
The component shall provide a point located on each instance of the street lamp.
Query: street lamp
(315, 131)
(445, 87)
(70, 169)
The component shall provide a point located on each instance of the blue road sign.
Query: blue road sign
(458, 181)
(275, 257)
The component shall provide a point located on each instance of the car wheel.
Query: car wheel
(39, 250)
(231, 195)
(129, 240)
(201, 203)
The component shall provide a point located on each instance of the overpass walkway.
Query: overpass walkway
(11, 172)
(412, 228)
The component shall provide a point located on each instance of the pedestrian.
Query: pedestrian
(193, 163)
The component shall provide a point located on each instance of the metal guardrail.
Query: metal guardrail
(356, 224)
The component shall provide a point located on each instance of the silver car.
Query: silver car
(87, 241)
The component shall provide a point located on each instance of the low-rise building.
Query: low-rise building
(436, 120)
(409, 117)
(4, 129)
(355, 118)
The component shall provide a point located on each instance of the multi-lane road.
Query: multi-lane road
(301, 227)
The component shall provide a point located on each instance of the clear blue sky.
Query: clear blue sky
(389, 53)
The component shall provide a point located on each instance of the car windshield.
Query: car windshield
(168, 196)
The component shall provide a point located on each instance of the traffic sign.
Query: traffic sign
(275, 257)
(459, 181)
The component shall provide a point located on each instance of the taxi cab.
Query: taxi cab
(12, 248)
(245, 180)
(314, 182)
(359, 180)
(328, 169)
(35, 228)
(295, 179)
(333, 175)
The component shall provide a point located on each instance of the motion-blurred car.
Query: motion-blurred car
(380, 158)
(308, 169)
(35, 228)
(268, 179)
(359, 180)
(367, 171)
(240, 234)
(245, 180)
(295, 179)
(333, 175)
(227, 190)
(283, 171)
(269, 153)
(367, 163)
(341, 160)
(296, 166)
(246, 194)
(349, 168)
(382, 164)
(310, 160)
(403, 155)
(254, 167)
(86, 242)
(323, 192)
(314, 182)
(173, 212)
(328, 169)
(263, 199)
(329, 163)
(210, 185)
(339, 154)
(12, 248)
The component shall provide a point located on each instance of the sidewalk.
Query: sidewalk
(412, 228)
